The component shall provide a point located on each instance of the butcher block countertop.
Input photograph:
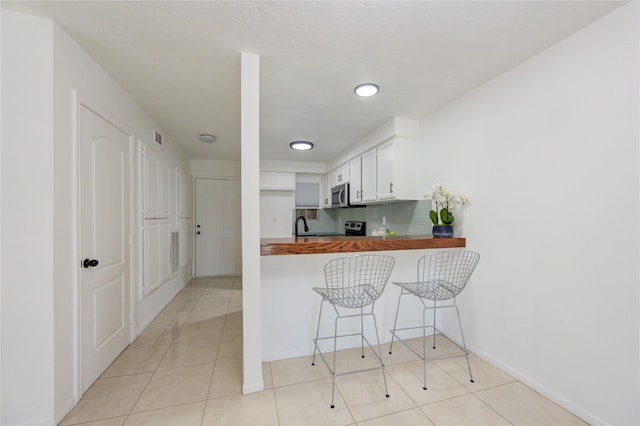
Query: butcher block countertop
(342, 244)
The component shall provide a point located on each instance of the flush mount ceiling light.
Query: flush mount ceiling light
(301, 145)
(366, 89)
(207, 138)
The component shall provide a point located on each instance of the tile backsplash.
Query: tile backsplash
(403, 217)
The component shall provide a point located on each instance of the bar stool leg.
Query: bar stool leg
(395, 322)
(315, 345)
(464, 345)
(384, 376)
(361, 332)
(333, 372)
(424, 348)
(434, 324)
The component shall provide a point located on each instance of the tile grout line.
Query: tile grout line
(158, 366)
(492, 408)
(219, 346)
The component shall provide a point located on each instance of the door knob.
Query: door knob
(89, 263)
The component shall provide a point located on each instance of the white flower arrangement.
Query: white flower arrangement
(444, 201)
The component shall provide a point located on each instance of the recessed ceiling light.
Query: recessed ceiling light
(366, 89)
(301, 145)
(207, 138)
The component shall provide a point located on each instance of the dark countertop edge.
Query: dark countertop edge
(342, 244)
(319, 234)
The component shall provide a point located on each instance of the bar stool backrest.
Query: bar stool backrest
(443, 275)
(357, 281)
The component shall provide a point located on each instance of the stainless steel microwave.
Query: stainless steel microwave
(340, 195)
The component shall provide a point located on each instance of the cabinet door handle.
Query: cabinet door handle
(391, 187)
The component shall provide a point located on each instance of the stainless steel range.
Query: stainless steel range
(353, 228)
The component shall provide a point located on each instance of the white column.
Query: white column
(250, 184)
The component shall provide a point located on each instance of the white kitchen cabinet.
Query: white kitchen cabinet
(341, 175)
(184, 193)
(355, 176)
(331, 182)
(156, 183)
(368, 176)
(156, 253)
(325, 191)
(282, 181)
(398, 169)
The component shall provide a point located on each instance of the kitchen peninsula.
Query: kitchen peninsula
(291, 267)
(352, 244)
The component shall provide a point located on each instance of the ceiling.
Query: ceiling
(180, 60)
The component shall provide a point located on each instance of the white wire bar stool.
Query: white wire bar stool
(353, 283)
(441, 277)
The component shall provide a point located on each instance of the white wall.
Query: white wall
(549, 155)
(27, 220)
(41, 67)
(215, 168)
(395, 126)
(276, 213)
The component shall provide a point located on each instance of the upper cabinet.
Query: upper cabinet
(355, 174)
(282, 181)
(387, 172)
(397, 170)
(368, 187)
(184, 194)
(156, 184)
(341, 175)
(325, 191)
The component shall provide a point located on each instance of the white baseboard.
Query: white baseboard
(42, 422)
(141, 327)
(570, 406)
(252, 387)
(64, 409)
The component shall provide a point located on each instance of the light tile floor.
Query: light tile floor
(186, 369)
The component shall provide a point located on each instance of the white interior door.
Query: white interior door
(218, 232)
(105, 296)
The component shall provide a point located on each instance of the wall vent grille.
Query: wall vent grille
(158, 138)
(175, 252)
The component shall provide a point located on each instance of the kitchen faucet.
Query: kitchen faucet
(306, 228)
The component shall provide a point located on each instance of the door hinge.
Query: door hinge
(131, 160)
(131, 318)
(131, 239)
